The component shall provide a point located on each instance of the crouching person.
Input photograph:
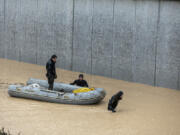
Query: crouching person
(51, 71)
(113, 102)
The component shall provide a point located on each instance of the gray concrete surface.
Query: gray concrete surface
(144, 48)
(1, 28)
(123, 39)
(102, 37)
(132, 40)
(82, 36)
(168, 49)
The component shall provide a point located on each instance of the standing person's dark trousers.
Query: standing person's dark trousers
(51, 82)
(51, 71)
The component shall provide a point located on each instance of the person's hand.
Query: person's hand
(47, 75)
(55, 77)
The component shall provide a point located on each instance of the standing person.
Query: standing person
(113, 102)
(80, 82)
(51, 71)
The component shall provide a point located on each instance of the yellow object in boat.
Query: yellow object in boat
(81, 90)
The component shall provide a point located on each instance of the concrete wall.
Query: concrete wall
(132, 40)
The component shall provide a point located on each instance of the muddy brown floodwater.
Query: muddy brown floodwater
(145, 110)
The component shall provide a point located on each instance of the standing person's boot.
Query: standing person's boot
(50, 87)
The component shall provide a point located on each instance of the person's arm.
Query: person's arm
(73, 83)
(110, 104)
(113, 100)
(55, 72)
(86, 84)
(48, 68)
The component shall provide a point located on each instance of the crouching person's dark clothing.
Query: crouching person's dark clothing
(113, 102)
(51, 73)
(81, 83)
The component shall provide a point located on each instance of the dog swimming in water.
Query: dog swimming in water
(113, 102)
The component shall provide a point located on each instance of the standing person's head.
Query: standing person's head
(54, 58)
(81, 76)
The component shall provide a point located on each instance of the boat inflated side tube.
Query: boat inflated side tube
(57, 86)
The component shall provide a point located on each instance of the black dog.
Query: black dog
(113, 102)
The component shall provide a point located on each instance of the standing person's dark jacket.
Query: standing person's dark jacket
(81, 83)
(51, 69)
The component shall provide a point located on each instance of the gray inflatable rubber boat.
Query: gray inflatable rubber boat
(57, 86)
(37, 90)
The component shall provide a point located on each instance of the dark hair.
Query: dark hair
(119, 95)
(81, 75)
(53, 56)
